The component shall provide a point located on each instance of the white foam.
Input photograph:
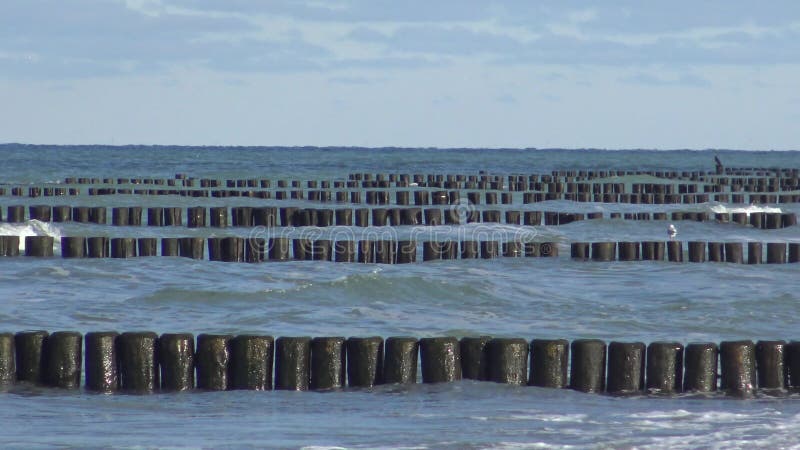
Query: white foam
(662, 414)
(31, 228)
(722, 209)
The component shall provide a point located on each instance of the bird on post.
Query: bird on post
(672, 231)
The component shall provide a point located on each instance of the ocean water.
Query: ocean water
(506, 297)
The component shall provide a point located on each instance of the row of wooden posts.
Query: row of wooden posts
(271, 216)
(513, 184)
(787, 178)
(144, 362)
(390, 251)
(382, 197)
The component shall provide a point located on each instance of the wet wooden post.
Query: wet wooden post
(344, 217)
(603, 251)
(776, 252)
(738, 367)
(292, 363)
(754, 253)
(9, 245)
(302, 249)
(123, 247)
(406, 252)
(757, 219)
(324, 218)
(80, 214)
(433, 216)
(147, 246)
(345, 251)
(173, 217)
(195, 217)
(674, 251)
(794, 252)
(734, 252)
(138, 366)
(431, 251)
(135, 216)
(739, 218)
(97, 215)
(176, 361)
(62, 213)
(474, 357)
(548, 363)
(255, 249)
(362, 217)
(792, 364)
(73, 247)
(664, 367)
(328, 363)
(265, 216)
(278, 249)
(8, 366)
(155, 217)
(42, 213)
(97, 247)
(441, 359)
(169, 247)
(364, 361)
(588, 367)
(191, 247)
(386, 252)
(450, 249)
(39, 246)
(218, 216)
(628, 251)
(322, 250)
(653, 251)
(700, 367)
(379, 217)
(489, 249)
(251, 362)
(548, 249)
(15, 214)
(508, 360)
(400, 360)
(513, 217)
(366, 251)
(411, 216)
(513, 249)
(626, 367)
(212, 361)
(100, 361)
(119, 216)
(770, 366)
(30, 352)
(469, 249)
(697, 251)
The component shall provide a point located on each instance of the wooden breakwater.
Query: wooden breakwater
(145, 362)
(272, 216)
(389, 251)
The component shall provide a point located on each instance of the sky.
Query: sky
(407, 73)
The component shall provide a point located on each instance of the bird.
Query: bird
(672, 231)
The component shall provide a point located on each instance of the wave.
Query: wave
(722, 209)
(32, 228)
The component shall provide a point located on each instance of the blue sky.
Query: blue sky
(612, 74)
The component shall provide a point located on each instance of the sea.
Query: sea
(506, 297)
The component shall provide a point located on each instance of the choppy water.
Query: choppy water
(519, 297)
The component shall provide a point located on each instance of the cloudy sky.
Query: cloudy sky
(432, 73)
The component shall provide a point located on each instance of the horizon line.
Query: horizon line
(356, 147)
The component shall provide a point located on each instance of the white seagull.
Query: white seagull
(672, 231)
